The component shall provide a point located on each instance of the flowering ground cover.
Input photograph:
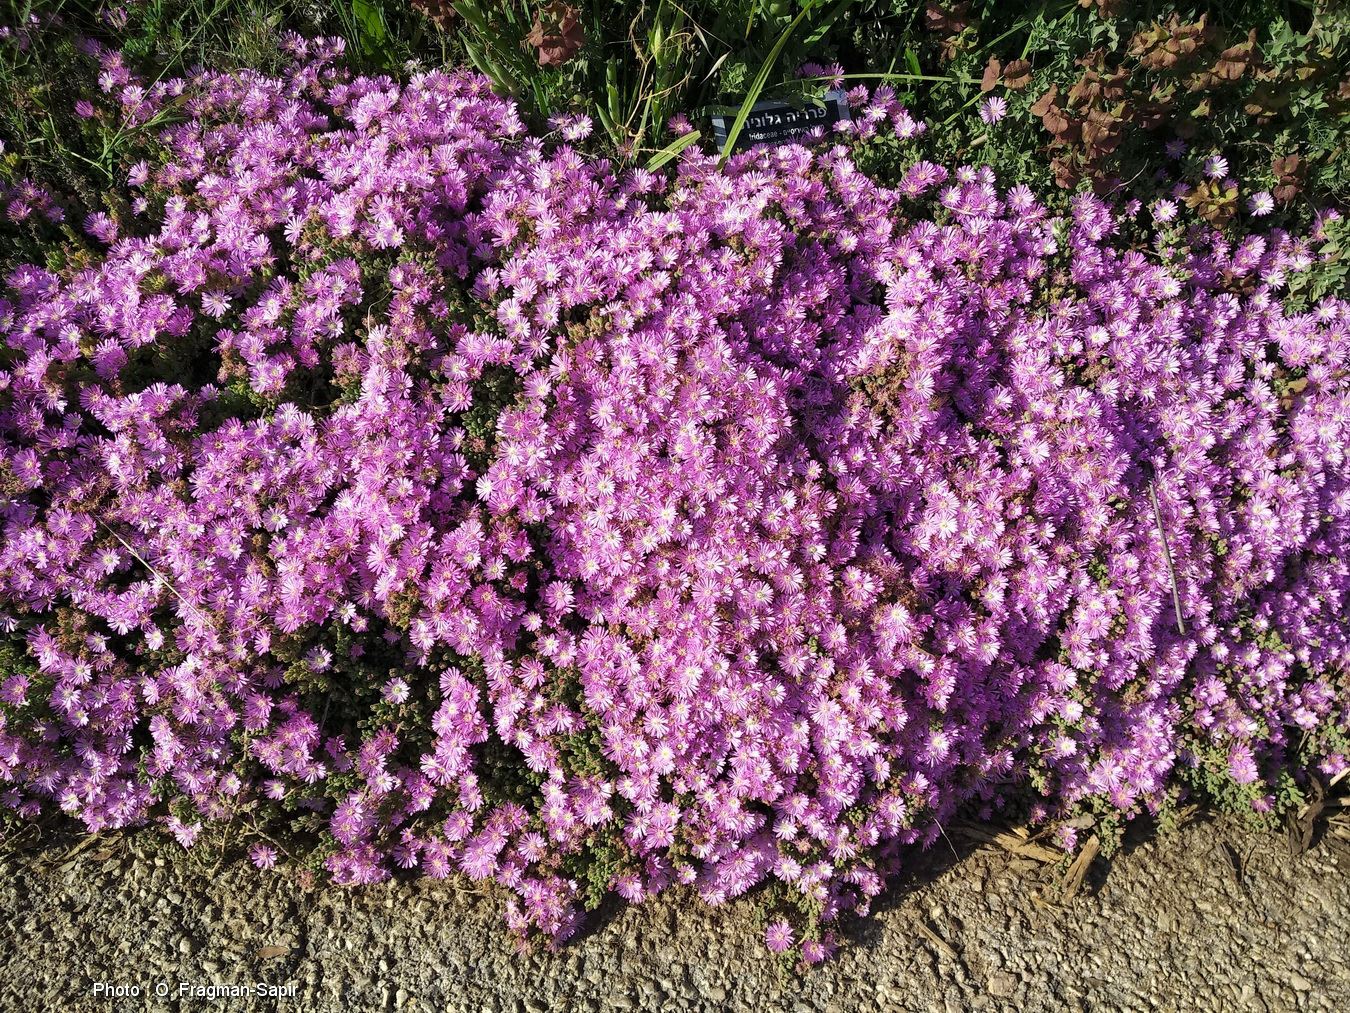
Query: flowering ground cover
(394, 487)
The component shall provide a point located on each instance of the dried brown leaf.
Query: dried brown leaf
(1067, 174)
(1084, 90)
(1066, 131)
(557, 34)
(1105, 8)
(1017, 75)
(1043, 104)
(439, 12)
(950, 20)
(1285, 192)
(1234, 61)
(991, 74)
(1287, 166)
(1159, 59)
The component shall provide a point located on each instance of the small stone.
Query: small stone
(1300, 983)
(1001, 984)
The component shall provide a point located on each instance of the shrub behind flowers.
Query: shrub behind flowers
(456, 503)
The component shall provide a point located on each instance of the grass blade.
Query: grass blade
(821, 30)
(672, 149)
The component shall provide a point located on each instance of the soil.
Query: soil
(1206, 918)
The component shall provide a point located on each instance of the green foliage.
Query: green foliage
(492, 393)
(603, 858)
(1210, 781)
(637, 65)
(1104, 86)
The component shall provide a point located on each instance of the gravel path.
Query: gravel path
(1205, 919)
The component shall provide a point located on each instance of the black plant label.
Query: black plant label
(781, 122)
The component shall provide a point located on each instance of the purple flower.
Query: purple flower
(264, 856)
(1216, 167)
(778, 936)
(679, 125)
(993, 109)
(1241, 764)
(572, 127)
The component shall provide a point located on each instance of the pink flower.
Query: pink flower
(264, 856)
(778, 936)
(993, 109)
(1241, 764)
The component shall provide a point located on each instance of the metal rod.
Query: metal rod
(1167, 557)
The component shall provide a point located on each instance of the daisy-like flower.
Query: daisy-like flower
(264, 856)
(572, 126)
(814, 951)
(778, 935)
(1216, 167)
(1164, 211)
(1241, 763)
(1261, 203)
(186, 833)
(993, 109)
(1066, 837)
(396, 691)
(1175, 148)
